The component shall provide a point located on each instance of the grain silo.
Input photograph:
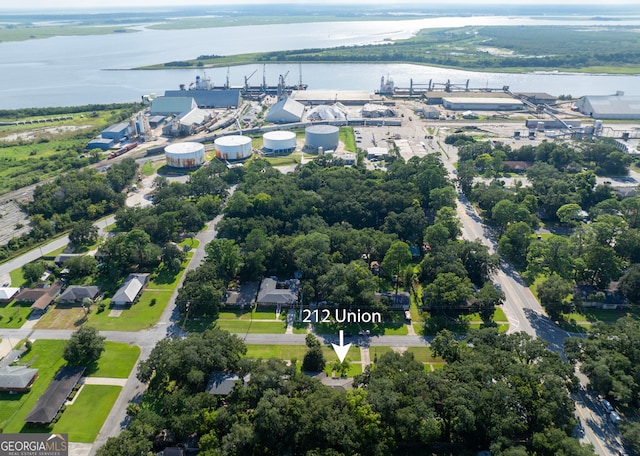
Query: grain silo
(279, 142)
(184, 154)
(233, 147)
(321, 137)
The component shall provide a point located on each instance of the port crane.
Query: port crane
(282, 86)
(246, 80)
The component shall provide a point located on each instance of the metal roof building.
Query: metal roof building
(285, 111)
(165, 106)
(610, 107)
(210, 99)
(481, 104)
(101, 143)
(116, 131)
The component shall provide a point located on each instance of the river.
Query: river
(76, 70)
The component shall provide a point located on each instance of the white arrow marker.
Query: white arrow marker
(341, 350)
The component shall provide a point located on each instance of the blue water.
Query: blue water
(66, 71)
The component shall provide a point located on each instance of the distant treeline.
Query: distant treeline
(34, 112)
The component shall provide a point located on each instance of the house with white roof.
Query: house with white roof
(130, 289)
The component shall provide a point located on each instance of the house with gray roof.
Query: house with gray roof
(130, 289)
(55, 395)
(278, 293)
(221, 383)
(77, 293)
(17, 379)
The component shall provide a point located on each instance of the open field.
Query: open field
(32, 152)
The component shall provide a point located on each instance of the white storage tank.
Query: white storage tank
(233, 147)
(279, 142)
(321, 136)
(184, 154)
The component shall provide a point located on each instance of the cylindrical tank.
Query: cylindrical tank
(321, 136)
(184, 154)
(233, 147)
(279, 142)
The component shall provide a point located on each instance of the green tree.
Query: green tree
(553, 293)
(84, 347)
(83, 233)
(34, 270)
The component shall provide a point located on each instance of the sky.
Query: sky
(102, 4)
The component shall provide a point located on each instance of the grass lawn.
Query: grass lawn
(354, 369)
(17, 278)
(388, 328)
(144, 314)
(46, 356)
(255, 327)
(300, 327)
(256, 314)
(83, 419)
(276, 351)
(330, 354)
(14, 314)
(283, 161)
(116, 361)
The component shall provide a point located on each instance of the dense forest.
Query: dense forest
(348, 233)
(498, 48)
(505, 393)
(596, 236)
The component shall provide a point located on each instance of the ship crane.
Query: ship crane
(246, 80)
(282, 86)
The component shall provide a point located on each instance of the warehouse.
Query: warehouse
(347, 97)
(101, 143)
(187, 123)
(481, 104)
(285, 111)
(116, 132)
(210, 99)
(167, 106)
(610, 107)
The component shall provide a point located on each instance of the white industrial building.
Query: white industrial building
(337, 111)
(186, 123)
(481, 104)
(377, 110)
(233, 147)
(285, 111)
(184, 155)
(279, 142)
(321, 137)
(610, 107)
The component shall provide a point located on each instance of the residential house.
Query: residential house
(280, 294)
(221, 383)
(17, 379)
(55, 395)
(41, 296)
(8, 293)
(130, 289)
(77, 294)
